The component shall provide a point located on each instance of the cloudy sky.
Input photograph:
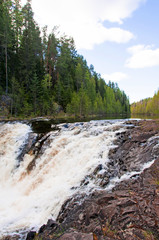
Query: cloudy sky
(119, 37)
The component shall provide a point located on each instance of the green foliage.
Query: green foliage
(80, 103)
(45, 75)
(149, 106)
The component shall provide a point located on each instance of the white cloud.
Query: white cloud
(115, 77)
(84, 19)
(143, 56)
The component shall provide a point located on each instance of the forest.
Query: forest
(42, 74)
(148, 106)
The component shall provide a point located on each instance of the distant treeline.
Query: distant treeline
(149, 106)
(42, 74)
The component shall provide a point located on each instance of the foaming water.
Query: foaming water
(30, 197)
(128, 175)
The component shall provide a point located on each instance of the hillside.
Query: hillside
(149, 106)
(42, 73)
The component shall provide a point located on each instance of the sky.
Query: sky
(120, 38)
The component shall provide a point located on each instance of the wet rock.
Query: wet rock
(31, 235)
(77, 131)
(51, 223)
(15, 237)
(27, 147)
(104, 182)
(38, 148)
(65, 125)
(97, 169)
(42, 228)
(41, 126)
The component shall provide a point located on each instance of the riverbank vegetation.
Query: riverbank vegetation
(42, 74)
(148, 106)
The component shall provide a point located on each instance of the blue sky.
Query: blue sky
(119, 37)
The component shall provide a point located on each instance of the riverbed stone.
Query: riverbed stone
(129, 210)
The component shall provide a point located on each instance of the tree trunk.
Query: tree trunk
(6, 63)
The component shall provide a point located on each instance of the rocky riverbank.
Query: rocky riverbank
(130, 210)
(127, 204)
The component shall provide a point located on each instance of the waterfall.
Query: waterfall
(35, 183)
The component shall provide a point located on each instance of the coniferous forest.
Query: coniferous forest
(42, 74)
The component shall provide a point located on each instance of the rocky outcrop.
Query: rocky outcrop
(128, 211)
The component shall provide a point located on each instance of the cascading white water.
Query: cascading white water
(29, 198)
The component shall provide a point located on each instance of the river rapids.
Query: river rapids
(39, 172)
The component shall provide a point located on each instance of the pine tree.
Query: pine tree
(6, 42)
(65, 71)
(51, 56)
(31, 57)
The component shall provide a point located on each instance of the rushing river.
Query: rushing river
(35, 183)
(40, 170)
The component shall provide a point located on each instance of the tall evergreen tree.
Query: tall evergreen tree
(30, 53)
(65, 71)
(51, 56)
(6, 43)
